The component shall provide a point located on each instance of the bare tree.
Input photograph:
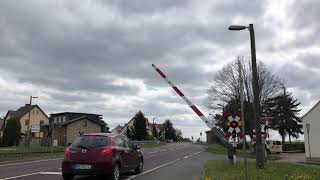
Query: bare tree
(225, 84)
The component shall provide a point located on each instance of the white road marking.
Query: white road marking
(185, 157)
(163, 165)
(152, 152)
(30, 174)
(179, 147)
(14, 177)
(30, 162)
(51, 173)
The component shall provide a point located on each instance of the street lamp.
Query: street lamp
(28, 132)
(256, 100)
(237, 27)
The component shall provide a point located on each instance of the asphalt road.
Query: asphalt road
(174, 161)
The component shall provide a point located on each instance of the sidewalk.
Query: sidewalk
(296, 158)
(292, 157)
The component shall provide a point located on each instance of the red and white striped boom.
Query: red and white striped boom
(210, 124)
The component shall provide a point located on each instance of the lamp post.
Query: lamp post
(28, 130)
(256, 99)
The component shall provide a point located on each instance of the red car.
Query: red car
(101, 154)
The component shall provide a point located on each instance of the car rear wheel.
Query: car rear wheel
(139, 169)
(115, 173)
(67, 176)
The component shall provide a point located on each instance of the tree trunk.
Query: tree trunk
(283, 141)
(289, 138)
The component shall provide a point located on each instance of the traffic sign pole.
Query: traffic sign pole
(234, 150)
(244, 148)
(234, 131)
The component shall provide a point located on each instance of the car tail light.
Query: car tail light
(67, 152)
(105, 152)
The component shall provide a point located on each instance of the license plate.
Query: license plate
(82, 166)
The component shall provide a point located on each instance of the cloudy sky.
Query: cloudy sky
(95, 56)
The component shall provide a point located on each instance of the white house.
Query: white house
(311, 128)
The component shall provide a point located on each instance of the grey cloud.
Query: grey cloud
(310, 60)
(148, 7)
(66, 55)
(300, 77)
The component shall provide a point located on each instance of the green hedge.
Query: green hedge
(294, 147)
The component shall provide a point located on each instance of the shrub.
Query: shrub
(294, 147)
(11, 133)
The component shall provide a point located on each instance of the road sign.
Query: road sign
(234, 123)
(55, 142)
(35, 128)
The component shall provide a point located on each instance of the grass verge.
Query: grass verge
(152, 145)
(30, 157)
(30, 149)
(219, 149)
(221, 169)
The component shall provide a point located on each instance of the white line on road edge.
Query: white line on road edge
(44, 160)
(166, 164)
(51, 173)
(20, 176)
(43, 173)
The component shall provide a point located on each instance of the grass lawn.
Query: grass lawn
(152, 145)
(221, 169)
(219, 149)
(30, 149)
(30, 157)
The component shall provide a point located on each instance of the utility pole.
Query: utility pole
(256, 102)
(29, 121)
(52, 138)
(244, 148)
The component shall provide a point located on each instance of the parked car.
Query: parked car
(101, 154)
(273, 146)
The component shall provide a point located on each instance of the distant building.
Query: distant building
(1, 128)
(117, 129)
(122, 129)
(37, 116)
(211, 138)
(311, 128)
(67, 126)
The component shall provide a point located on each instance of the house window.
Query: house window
(33, 112)
(37, 112)
(26, 122)
(41, 121)
(85, 123)
(55, 120)
(64, 118)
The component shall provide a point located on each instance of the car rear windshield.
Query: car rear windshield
(91, 141)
